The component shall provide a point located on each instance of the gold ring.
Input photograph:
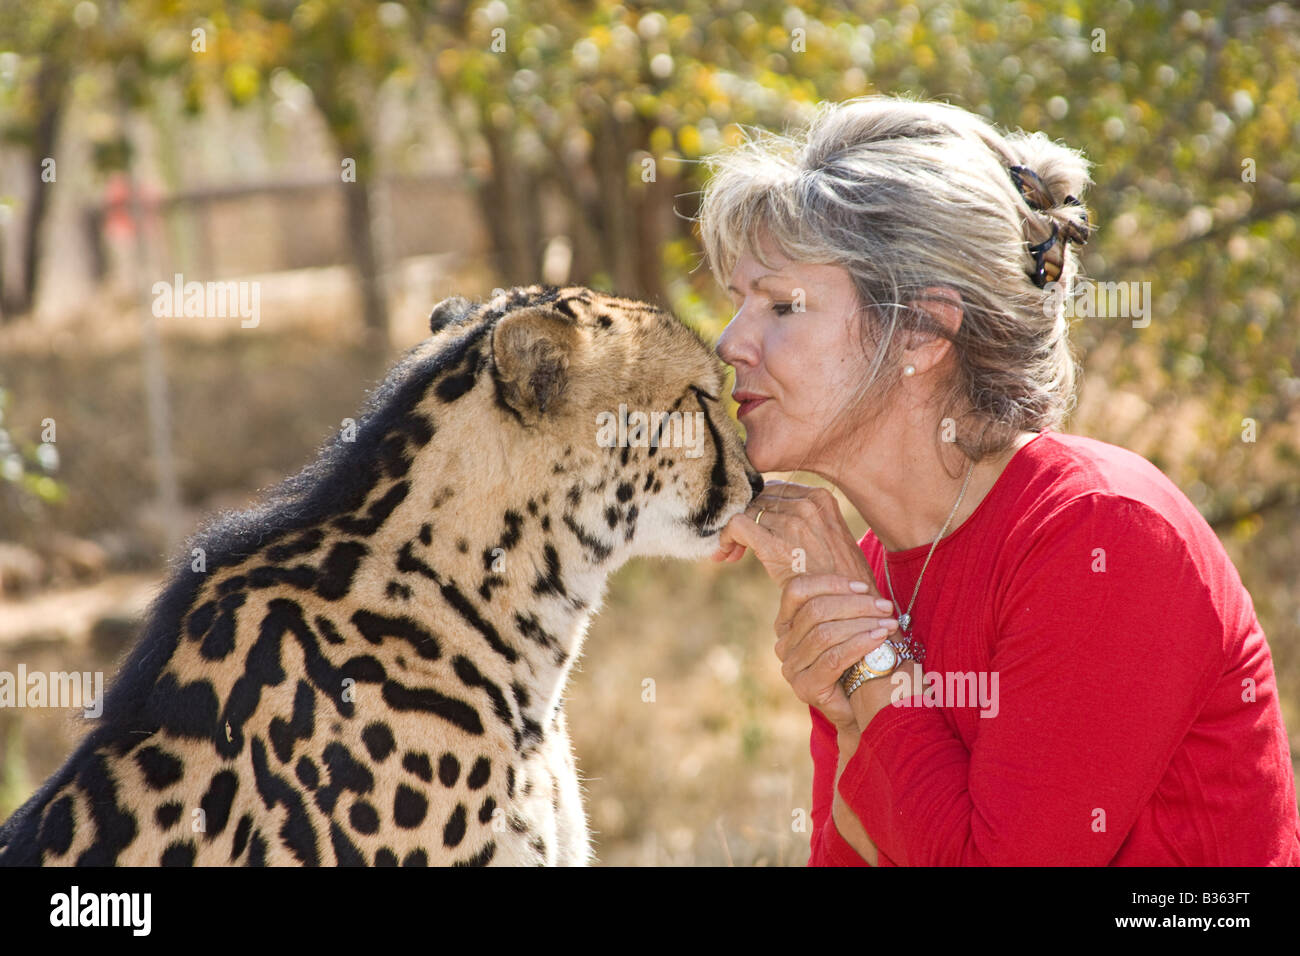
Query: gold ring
(759, 515)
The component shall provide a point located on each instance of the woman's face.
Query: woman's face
(795, 370)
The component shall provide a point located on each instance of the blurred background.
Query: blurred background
(360, 161)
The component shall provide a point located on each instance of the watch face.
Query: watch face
(882, 660)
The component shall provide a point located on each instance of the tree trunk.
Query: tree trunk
(361, 244)
(50, 91)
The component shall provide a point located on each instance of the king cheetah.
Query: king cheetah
(367, 667)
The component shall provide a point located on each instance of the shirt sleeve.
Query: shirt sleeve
(1107, 642)
(827, 847)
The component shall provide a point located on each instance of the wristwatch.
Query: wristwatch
(881, 662)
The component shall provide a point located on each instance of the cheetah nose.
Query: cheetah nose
(756, 482)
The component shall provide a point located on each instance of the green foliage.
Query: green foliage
(28, 466)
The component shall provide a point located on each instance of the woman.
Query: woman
(1077, 673)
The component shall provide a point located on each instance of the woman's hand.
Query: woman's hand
(827, 623)
(801, 531)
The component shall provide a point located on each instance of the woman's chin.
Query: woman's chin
(763, 456)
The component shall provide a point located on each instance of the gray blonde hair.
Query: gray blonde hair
(909, 195)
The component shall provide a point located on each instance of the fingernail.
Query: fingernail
(859, 587)
(884, 605)
(879, 632)
(889, 623)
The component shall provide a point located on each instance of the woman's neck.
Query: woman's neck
(906, 497)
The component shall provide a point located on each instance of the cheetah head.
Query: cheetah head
(617, 405)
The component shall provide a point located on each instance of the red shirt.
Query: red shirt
(1132, 710)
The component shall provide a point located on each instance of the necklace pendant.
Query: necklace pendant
(905, 623)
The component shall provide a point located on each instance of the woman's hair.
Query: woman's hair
(908, 196)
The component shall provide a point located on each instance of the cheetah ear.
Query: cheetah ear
(448, 311)
(533, 349)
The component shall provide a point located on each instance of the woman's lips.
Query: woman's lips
(748, 405)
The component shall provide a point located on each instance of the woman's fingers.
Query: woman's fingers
(801, 650)
(802, 588)
(825, 608)
(821, 677)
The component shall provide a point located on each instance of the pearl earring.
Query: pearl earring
(909, 369)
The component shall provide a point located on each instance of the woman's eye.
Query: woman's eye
(781, 308)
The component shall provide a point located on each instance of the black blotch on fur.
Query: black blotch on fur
(220, 639)
(378, 739)
(375, 627)
(297, 832)
(55, 835)
(242, 831)
(448, 770)
(338, 569)
(418, 764)
(482, 858)
(400, 697)
(479, 775)
(364, 818)
(550, 582)
(180, 853)
(305, 543)
(216, 803)
(471, 677)
(345, 851)
(167, 814)
(509, 538)
(200, 619)
(485, 812)
(409, 807)
(376, 514)
(416, 858)
(345, 773)
(328, 629)
(385, 857)
(300, 576)
(454, 831)
(307, 772)
(257, 851)
(302, 725)
(597, 550)
(114, 827)
(426, 534)
(160, 768)
(184, 710)
(396, 589)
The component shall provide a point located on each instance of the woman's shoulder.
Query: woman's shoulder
(1077, 495)
(1062, 476)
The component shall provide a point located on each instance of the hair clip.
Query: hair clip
(1039, 252)
(1032, 188)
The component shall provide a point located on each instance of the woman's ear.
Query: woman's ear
(944, 306)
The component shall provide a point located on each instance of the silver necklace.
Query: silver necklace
(905, 621)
